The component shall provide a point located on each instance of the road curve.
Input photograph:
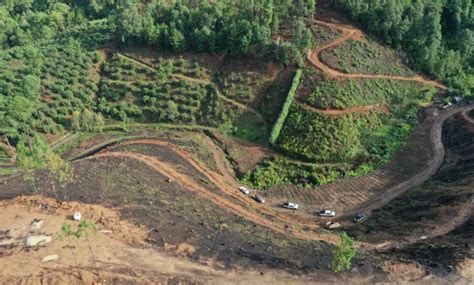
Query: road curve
(260, 217)
(432, 165)
(265, 216)
(465, 115)
(314, 56)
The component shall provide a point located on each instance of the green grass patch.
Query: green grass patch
(321, 92)
(82, 230)
(367, 57)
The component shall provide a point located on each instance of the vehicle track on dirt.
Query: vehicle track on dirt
(431, 168)
(246, 208)
(226, 182)
(235, 208)
(347, 33)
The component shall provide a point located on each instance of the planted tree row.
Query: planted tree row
(277, 127)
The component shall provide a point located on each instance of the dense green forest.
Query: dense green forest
(437, 35)
(234, 27)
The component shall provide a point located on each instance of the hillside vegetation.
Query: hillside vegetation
(368, 57)
(226, 66)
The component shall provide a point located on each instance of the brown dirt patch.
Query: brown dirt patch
(466, 269)
(119, 257)
(242, 155)
(404, 271)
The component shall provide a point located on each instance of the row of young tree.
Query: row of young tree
(437, 35)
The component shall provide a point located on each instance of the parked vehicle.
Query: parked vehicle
(331, 225)
(359, 217)
(327, 213)
(446, 105)
(291, 206)
(244, 190)
(259, 198)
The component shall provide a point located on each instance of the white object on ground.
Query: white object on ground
(36, 224)
(51, 257)
(37, 240)
(77, 216)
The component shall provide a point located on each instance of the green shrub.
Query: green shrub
(343, 254)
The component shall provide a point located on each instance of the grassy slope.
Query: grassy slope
(319, 91)
(367, 57)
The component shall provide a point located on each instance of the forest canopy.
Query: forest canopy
(437, 35)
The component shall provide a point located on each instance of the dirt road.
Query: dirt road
(255, 215)
(348, 33)
(338, 112)
(248, 209)
(431, 167)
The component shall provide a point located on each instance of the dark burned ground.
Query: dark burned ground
(162, 154)
(440, 255)
(175, 215)
(438, 199)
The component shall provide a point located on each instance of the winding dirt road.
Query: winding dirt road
(431, 166)
(348, 33)
(245, 207)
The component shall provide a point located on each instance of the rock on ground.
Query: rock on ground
(37, 240)
(51, 257)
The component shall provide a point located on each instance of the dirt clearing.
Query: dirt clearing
(114, 253)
